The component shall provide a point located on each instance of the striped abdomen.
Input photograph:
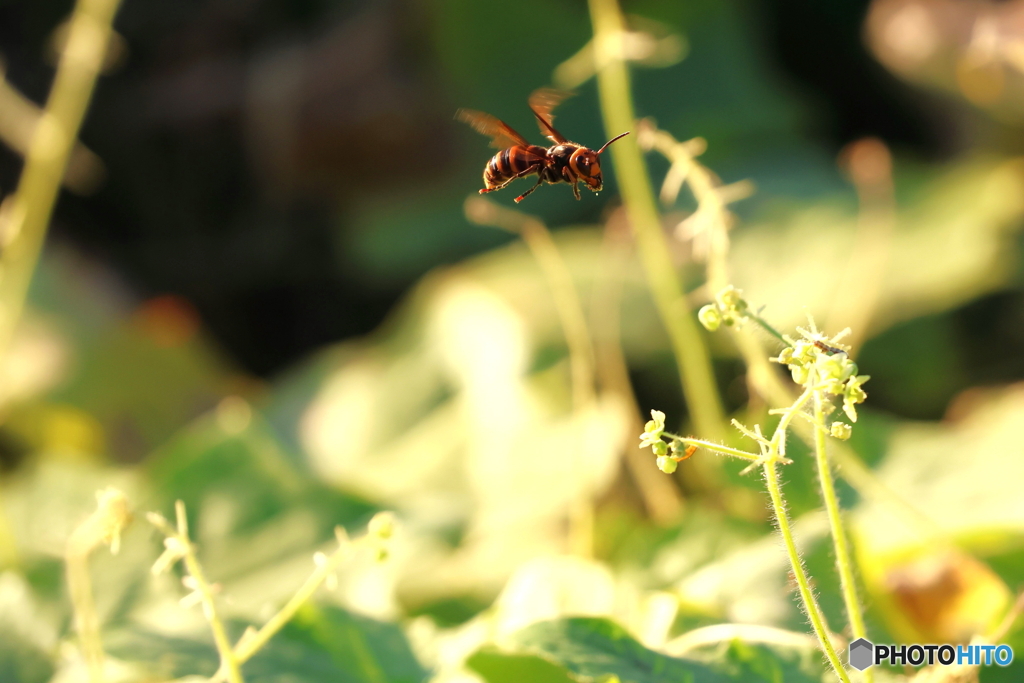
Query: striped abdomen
(511, 163)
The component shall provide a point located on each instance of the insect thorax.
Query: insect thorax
(559, 155)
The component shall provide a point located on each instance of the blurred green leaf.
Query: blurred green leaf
(961, 476)
(957, 231)
(250, 468)
(27, 640)
(161, 655)
(498, 667)
(593, 649)
(137, 372)
(320, 644)
(357, 648)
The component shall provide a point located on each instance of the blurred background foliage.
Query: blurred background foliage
(260, 295)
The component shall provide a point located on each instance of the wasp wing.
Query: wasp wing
(501, 134)
(542, 103)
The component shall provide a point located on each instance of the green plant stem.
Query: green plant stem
(710, 201)
(716, 447)
(570, 310)
(767, 383)
(779, 437)
(661, 497)
(251, 643)
(103, 526)
(87, 621)
(691, 354)
(25, 215)
(19, 117)
(707, 190)
(842, 550)
(768, 328)
(771, 478)
(777, 448)
(228, 661)
(28, 214)
(581, 361)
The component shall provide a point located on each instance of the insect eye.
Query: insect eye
(584, 162)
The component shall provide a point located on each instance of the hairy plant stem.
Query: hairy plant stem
(251, 642)
(843, 561)
(771, 479)
(776, 448)
(102, 527)
(715, 447)
(27, 212)
(25, 215)
(767, 383)
(773, 452)
(691, 354)
(767, 327)
(228, 662)
(711, 199)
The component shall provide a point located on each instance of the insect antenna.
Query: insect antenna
(621, 135)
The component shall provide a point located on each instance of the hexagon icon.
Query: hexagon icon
(862, 653)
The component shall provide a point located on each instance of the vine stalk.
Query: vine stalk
(843, 561)
(691, 354)
(776, 449)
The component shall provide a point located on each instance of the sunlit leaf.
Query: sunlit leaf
(320, 644)
(585, 650)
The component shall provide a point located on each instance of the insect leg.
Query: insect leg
(536, 185)
(498, 187)
(576, 191)
(533, 168)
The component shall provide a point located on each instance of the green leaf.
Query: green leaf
(249, 505)
(358, 648)
(320, 644)
(26, 639)
(163, 656)
(498, 667)
(587, 649)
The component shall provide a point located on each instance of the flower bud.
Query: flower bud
(803, 351)
(841, 430)
(731, 299)
(667, 464)
(834, 387)
(710, 317)
(659, 448)
(853, 392)
(382, 525)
